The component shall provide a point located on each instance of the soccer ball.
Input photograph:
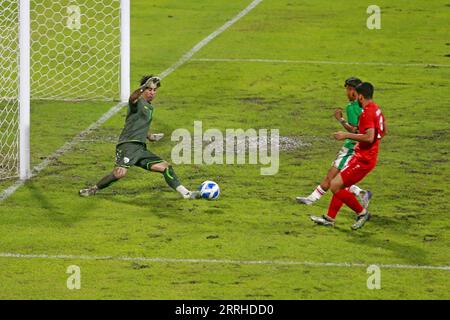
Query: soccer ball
(209, 190)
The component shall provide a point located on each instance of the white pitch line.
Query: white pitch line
(220, 261)
(388, 64)
(209, 38)
(66, 147)
(111, 112)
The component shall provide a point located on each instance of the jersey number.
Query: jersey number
(381, 128)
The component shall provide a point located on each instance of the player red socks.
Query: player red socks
(335, 205)
(350, 200)
(341, 197)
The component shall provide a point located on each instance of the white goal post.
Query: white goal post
(65, 50)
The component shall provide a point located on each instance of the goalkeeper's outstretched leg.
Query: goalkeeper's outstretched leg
(163, 167)
(117, 174)
(131, 149)
(172, 180)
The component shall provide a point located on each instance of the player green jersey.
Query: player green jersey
(353, 111)
(137, 124)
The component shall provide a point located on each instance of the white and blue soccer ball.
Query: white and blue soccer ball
(209, 190)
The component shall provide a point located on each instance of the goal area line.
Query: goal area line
(218, 261)
(324, 62)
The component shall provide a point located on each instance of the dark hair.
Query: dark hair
(156, 80)
(366, 89)
(352, 82)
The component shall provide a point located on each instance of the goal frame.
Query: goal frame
(25, 171)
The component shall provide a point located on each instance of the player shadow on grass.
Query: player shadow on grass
(55, 213)
(159, 200)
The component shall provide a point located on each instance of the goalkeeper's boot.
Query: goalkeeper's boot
(365, 198)
(324, 221)
(193, 195)
(88, 192)
(305, 200)
(361, 220)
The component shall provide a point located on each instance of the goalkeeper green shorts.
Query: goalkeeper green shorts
(130, 154)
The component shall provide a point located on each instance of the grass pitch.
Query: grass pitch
(256, 217)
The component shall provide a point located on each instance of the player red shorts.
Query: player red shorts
(355, 171)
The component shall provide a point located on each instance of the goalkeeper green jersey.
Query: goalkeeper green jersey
(137, 123)
(353, 111)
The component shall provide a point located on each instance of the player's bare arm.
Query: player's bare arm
(369, 136)
(347, 126)
(386, 130)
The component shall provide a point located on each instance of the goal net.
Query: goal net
(74, 54)
(9, 88)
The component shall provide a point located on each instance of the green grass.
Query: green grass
(256, 217)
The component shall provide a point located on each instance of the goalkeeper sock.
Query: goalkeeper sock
(171, 178)
(106, 181)
(355, 190)
(317, 194)
(183, 191)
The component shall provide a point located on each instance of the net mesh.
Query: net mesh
(75, 49)
(74, 55)
(9, 88)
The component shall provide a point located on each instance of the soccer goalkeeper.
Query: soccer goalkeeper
(132, 148)
(353, 111)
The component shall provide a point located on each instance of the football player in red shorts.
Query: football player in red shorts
(371, 128)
